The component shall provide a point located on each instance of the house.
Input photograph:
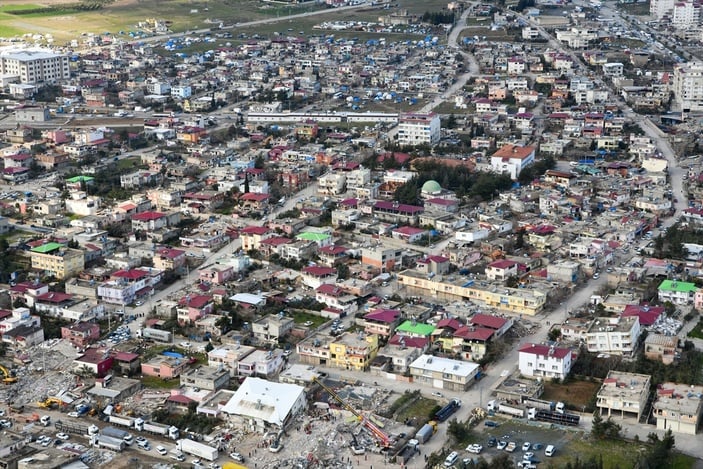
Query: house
(24, 336)
(470, 342)
(502, 269)
(205, 377)
(271, 329)
(252, 236)
(623, 393)
(395, 358)
(313, 276)
(127, 363)
(410, 234)
(512, 159)
(497, 324)
(382, 258)
(164, 367)
(382, 322)
(166, 258)
(676, 292)
(544, 361)
(217, 274)
(336, 297)
(260, 405)
(661, 348)
(264, 363)
(678, 407)
(412, 328)
(81, 334)
(444, 373)
(193, 307)
(56, 259)
(353, 351)
(96, 361)
(436, 265)
(332, 255)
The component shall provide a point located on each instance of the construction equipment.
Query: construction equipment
(50, 401)
(9, 377)
(384, 439)
(355, 446)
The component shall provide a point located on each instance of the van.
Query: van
(451, 459)
(549, 450)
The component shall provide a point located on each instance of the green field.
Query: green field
(124, 15)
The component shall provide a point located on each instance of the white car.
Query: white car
(161, 450)
(73, 414)
(308, 323)
(475, 449)
(502, 444)
(526, 446)
(437, 394)
(237, 457)
(62, 436)
(141, 440)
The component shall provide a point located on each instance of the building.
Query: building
(208, 378)
(252, 236)
(353, 351)
(382, 322)
(81, 334)
(444, 373)
(623, 393)
(260, 405)
(34, 66)
(613, 335)
(228, 356)
(661, 347)
(313, 276)
(677, 292)
(418, 129)
(57, 260)
(687, 85)
(271, 329)
(512, 159)
(545, 361)
(384, 259)
(263, 363)
(96, 361)
(164, 367)
(678, 407)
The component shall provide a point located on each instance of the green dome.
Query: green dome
(431, 187)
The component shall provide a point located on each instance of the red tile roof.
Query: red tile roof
(131, 274)
(147, 216)
(474, 333)
(544, 350)
(196, 301)
(411, 342)
(329, 289)
(319, 271)
(383, 315)
(485, 320)
(255, 230)
(54, 297)
(647, 314)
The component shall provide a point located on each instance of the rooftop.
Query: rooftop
(623, 384)
(444, 365)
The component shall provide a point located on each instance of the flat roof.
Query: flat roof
(442, 365)
(47, 248)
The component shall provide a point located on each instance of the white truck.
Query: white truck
(496, 406)
(122, 421)
(168, 431)
(198, 449)
(102, 441)
(45, 420)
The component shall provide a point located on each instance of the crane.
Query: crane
(384, 439)
(9, 377)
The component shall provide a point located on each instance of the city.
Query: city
(345, 233)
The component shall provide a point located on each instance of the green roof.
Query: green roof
(417, 328)
(48, 247)
(311, 236)
(76, 179)
(674, 285)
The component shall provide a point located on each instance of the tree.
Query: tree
(604, 429)
(554, 334)
(660, 452)
(460, 431)
(246, 183)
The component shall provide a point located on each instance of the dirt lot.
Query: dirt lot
(575, 394)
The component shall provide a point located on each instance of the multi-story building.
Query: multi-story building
(688, 86)
(678, 407)
(253, 235)
(81, 334)
(208, 378)
(333, 183)
(271, 329)
(417, 129)
(384, 259)
(544, 361)
(625, 393)
(35, 66)
(661, 347)
(228, 356)
(512, 159)
(264, 363)
(382, 322)
(164, 367)
(57, 260)
(676, 292)
(613, 335)
(686, 15)
(443, 373)
(660, 8)
(353, 351)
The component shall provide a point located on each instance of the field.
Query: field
(575, 394)
(65, 22)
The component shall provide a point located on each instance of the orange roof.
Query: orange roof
(514, 151)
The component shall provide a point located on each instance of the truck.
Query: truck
(445, 412)
(117, 433)
(552, 416)
(426, 431)
(155, 334)
(408, 451)
(123, 421)
(496, 406)
(83, 409)
(168, 431)
(539, 404)
(102, 441)
(76, 428)
(198, 449)
(45, 420)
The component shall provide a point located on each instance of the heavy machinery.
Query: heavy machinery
(550, 416)
(50, 401)
(445, 412)
(384, 440)
(9, 377)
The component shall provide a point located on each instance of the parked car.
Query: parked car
(549, 450)
(502, 444)
(526, 446)
(62, 436)
(474, 448)
(237, 457)
(161, 450)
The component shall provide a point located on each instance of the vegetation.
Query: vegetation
(604, 429)
(197, 423)
(438, 17)
(669, 245)
(159, 383)
(697, 332)
(460, 432)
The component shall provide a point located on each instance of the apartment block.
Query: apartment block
(57, 260)
(687, 85)
(34, 66)
(613, 335)
(544, 361)
(444, 373)
(417, 129)
(679, 407)
(623, 393)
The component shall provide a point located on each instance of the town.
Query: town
(341, 234)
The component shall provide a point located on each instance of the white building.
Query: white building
(332, 184)
(512, 159)
(259, 404)
(688, 86)
(416, 129)
(544, 361)
(686, 15)
(34, 66)
(613, 335)
(659, 8)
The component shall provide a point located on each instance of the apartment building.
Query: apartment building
(57, 260)
(613, 335)
(544, 361)
(687, 85)
(353, 351)
(676, 292)
(444, 373)
(679, 407)
(228, 356)
(661, 347)
(208, 378)
(623, 393)
(417, 129)
(512, 159)
(34, 66)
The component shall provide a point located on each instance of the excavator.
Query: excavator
(384, 440)
(50, 401)
(9, 378)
